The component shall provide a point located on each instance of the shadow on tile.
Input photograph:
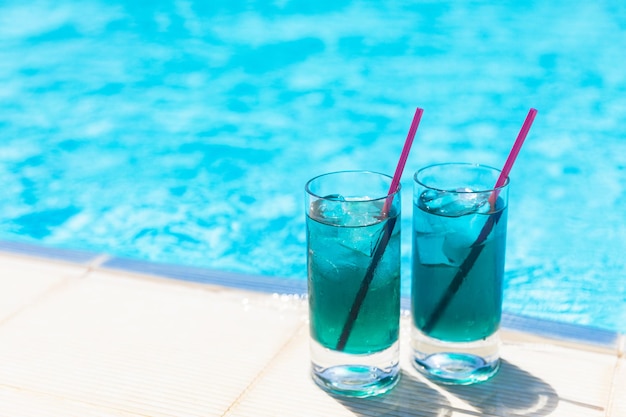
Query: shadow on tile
(511, 392)
(411, 397)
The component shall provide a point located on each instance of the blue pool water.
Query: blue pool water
(183, 132)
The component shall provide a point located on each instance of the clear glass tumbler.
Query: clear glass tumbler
(353, 260)
(459, 240)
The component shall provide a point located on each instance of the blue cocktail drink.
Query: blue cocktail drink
(459, 239)
(354, 282)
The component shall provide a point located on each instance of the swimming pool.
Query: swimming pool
(183, 133)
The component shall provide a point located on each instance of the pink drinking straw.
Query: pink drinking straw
(395, 182)
(510, 160)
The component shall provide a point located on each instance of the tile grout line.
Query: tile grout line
(96, 263)
(621, 345)
(63, 283)
(232, 407)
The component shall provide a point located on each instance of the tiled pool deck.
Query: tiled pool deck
(81, 337)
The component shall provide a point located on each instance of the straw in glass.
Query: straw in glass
(384, 240)
(492, 220)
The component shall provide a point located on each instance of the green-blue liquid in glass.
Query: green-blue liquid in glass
(440, 245)
(337, 261)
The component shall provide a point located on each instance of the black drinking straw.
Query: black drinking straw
(384, 240)
(369, 275)
(464, 269)
(492, 220)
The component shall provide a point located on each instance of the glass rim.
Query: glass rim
(461, 164)
(308, 190)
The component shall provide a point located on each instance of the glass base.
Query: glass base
(456, 369)
(456, 363)
(356, 381)
(355, 375)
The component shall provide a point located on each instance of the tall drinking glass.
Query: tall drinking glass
(459, 239)
(353, 262)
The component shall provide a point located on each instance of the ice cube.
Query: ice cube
(325, 266)
(334, 197)
(432, 200)
(430, 232)
(464, 203)
(454, 204)
(330, 209)
(349, 215)
(362, 213)
(363, 241)
(430, 250)
(456, 246)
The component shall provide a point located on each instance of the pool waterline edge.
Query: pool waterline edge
(592, 338)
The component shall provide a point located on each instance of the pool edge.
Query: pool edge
(592, 337)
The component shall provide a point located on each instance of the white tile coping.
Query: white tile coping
(88, 340)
